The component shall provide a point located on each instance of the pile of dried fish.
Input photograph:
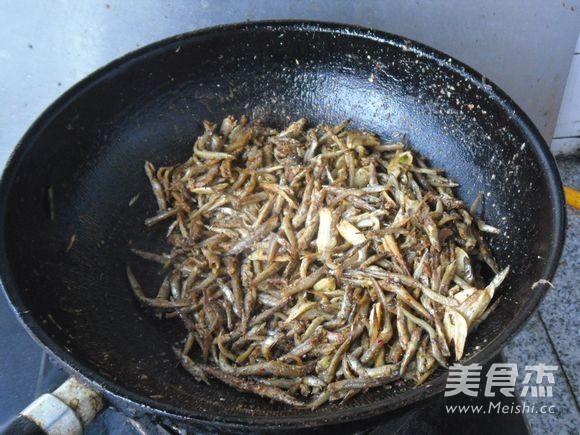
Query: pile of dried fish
(311, 264)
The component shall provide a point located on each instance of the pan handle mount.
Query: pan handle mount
(67, 410)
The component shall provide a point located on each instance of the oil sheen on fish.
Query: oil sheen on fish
(310, 264)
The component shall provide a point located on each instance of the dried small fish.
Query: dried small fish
(257, 235)
(156, 186)
(161, 304)
(311, 264)
(71, 242)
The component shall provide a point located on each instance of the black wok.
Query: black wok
(78, 166)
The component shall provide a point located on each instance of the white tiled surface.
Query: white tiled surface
(567, 134)
(569, 119)
(522, 45)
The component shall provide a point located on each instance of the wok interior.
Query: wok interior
(91, 151)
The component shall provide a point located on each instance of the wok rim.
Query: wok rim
(115, 393)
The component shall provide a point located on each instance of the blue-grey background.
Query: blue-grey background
(525, 46)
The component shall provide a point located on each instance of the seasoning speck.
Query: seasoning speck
(71, 242)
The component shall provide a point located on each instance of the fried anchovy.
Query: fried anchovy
(309, 264)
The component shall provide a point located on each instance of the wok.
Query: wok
(81, 162)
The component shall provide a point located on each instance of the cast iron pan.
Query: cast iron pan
(88, 148)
